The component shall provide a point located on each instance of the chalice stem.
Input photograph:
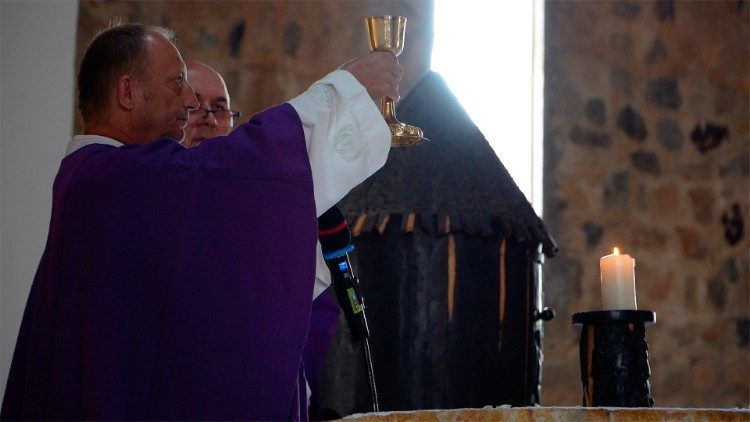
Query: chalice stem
(389, 111)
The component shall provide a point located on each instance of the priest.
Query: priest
(177, 283)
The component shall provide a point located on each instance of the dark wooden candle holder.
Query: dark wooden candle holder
(614, 358)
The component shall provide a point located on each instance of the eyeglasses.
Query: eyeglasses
(224, 118)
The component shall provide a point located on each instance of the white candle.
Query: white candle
(618, 281)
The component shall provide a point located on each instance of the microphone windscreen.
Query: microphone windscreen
(333, 232)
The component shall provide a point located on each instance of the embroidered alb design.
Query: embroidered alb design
(346, 143)
(324, 95)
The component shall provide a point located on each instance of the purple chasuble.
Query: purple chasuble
(175, 283)
(323, 323)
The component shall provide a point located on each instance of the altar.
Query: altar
(543, 414)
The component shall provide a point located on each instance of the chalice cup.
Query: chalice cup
(386, 33)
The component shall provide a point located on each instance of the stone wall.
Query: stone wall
(646, 147)
(269, 51)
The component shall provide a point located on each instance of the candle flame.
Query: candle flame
(616, 251)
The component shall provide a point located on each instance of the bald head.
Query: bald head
(113, 52)
(132, 85)
(212, 94)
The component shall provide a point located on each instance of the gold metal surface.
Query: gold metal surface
(387, 33)
(451, 275)
(358, 224)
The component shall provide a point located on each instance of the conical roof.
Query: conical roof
(453, 183)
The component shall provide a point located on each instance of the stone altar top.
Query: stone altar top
(543, 414)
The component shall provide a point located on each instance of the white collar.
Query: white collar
(80, 141)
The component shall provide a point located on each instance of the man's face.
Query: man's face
(212, 94)
(167, 96)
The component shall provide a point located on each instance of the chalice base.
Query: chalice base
(403, 135)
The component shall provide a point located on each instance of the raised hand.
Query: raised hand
(379, 72)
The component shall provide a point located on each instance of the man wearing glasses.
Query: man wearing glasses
(214, 116)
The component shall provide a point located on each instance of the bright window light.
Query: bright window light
(487, 53)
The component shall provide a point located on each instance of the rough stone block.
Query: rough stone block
(692, 243)
(668, 134)
(631, 122)
(646, 161)
(702, 200)
(665, 92)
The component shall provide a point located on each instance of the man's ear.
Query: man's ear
(126, 90)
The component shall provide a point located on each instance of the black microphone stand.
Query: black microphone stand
(349, 295)
(370, 375)
(336, 243)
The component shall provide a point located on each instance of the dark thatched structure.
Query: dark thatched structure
(449, 253)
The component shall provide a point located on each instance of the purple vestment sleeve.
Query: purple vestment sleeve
(175, 284)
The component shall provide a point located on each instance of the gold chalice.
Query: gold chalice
(386, 33)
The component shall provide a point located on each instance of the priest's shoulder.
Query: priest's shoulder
(159, 150)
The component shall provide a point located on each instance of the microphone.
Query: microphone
(336, 242)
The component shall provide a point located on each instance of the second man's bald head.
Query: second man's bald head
(212, 94)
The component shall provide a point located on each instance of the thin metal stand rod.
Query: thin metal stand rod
(370, 375)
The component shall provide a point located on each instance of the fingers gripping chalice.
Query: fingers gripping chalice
(386, 33)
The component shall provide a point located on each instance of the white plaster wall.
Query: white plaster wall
(37, 66)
